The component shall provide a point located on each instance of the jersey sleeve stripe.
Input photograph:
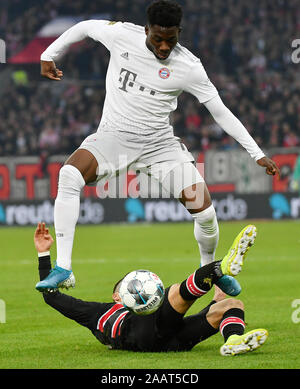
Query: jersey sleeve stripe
(103, 319)
(116, 324)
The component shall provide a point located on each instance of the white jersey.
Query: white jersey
(141, 90)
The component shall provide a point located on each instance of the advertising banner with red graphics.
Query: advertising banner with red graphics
(28, 188)
(235, 171)
(33, 178)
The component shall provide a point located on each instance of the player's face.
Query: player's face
(161, 40)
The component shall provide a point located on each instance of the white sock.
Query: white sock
(66, 213)
(206, 232)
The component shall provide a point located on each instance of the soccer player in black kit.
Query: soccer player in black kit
(167, 329)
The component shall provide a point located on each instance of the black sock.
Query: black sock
(201, 281)
(232, 323)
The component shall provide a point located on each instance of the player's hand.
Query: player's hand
(49, 70)
(42, 238)
(271, 167)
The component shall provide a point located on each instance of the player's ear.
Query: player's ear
(116, 297)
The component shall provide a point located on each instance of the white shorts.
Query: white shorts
(168, 161)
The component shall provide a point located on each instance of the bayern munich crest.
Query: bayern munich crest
(164, 73)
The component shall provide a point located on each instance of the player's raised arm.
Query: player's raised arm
(43, 241)
(100, 30)
(42, 238)
(83, 312)
(232, 125)
(200, 86)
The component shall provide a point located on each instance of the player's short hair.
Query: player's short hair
(118, 284)
(164, 13)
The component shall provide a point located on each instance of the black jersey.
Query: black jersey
(109, 325)
(119, 328)
(113, 325)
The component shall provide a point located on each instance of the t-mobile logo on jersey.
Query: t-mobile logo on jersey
(127, 78)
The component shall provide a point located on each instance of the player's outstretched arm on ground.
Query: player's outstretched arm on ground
(80, 311)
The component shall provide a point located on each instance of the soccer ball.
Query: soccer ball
(142, 292)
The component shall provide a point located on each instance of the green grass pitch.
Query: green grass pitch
(37, 337)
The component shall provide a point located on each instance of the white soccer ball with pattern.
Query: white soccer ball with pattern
(142, 292)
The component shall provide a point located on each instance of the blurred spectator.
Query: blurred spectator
(43, 163)
(49, 138)
(290, 139)
(243, 45)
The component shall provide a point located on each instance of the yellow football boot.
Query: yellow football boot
(240, 344)
(233, 261)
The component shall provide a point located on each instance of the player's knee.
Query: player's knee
(195, 198)
(70, 179)
(85, 162)
(233, 303)
(217, 311)
(206, 221)
(227, 304)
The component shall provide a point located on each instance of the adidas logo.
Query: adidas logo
(125, 55)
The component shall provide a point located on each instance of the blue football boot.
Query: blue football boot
(229, 285)
(57, 278)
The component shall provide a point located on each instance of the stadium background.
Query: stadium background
(247, 51)
(246, 48)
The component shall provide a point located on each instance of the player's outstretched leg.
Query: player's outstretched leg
(201, 281)
(79, 169)
(66, 212)
(206, 232)
(240, 344)
(231, 265)
(233, 261)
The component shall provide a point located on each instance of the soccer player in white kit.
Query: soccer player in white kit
(148, 70)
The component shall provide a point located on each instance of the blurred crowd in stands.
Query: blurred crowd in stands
(245, 47)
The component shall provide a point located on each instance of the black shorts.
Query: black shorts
(166, 330)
